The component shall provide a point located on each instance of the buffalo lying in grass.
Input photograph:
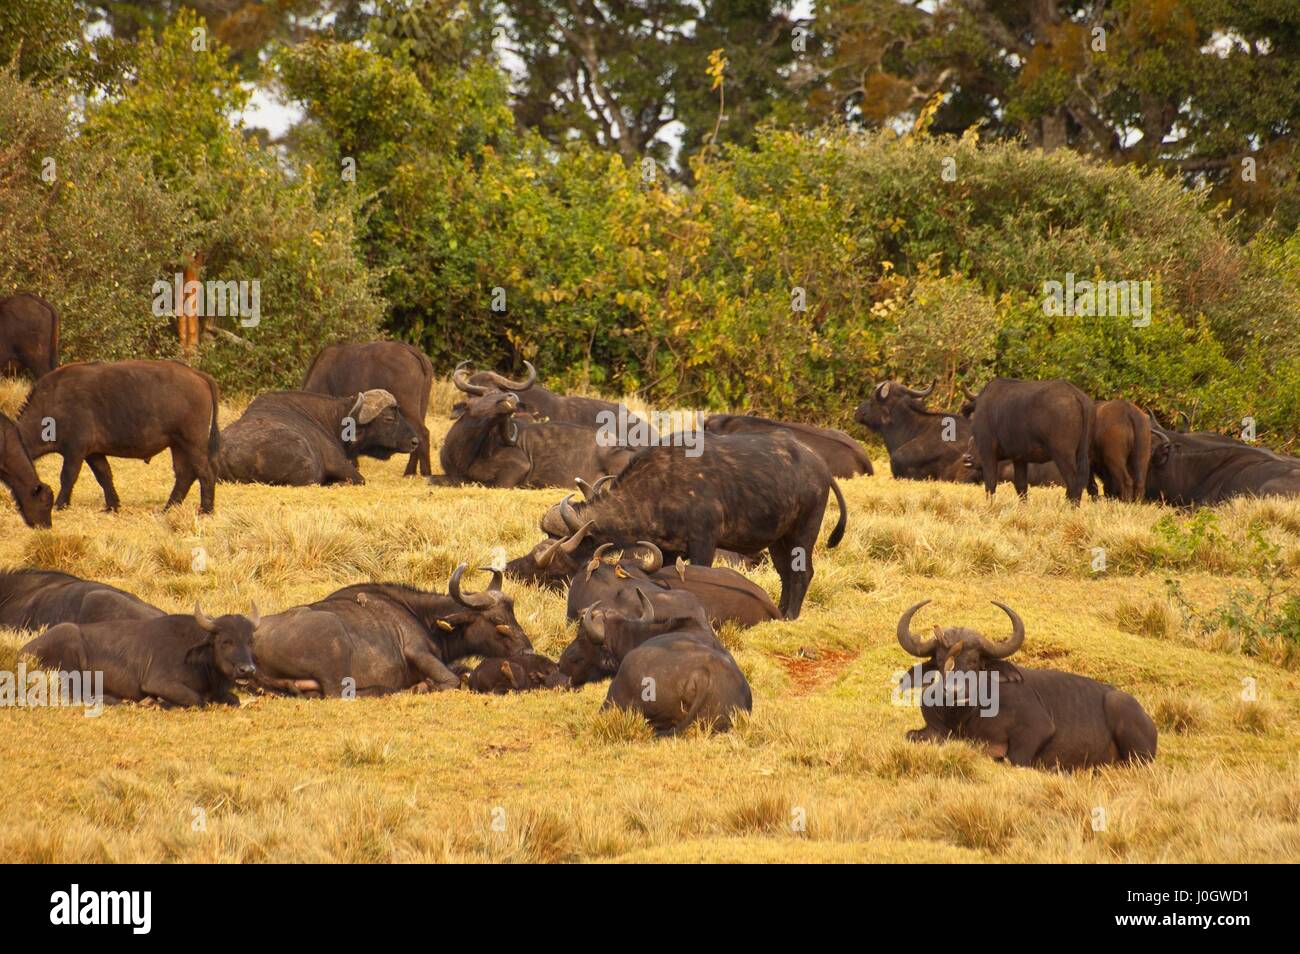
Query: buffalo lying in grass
(35, 500)
(1121, 450)
(179, 660)
(1030, 717)
(723, 594)
(673, 671)
(929, 445)
(29, 335)
(296, 439)
(1028, 422)
(540, 404)
(39, 599)
(404, 371)
(498, 675)
(90, 412)
(1192, 470)
(378, 638)
(842, 454)
(746, 492)
(488, 445)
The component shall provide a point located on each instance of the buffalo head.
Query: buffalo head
(381, 429)
(957, 649)
(36, 506)
(886, 400)
(484, 620)
(553, 561)
(227, 644)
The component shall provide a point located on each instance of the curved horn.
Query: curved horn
(654, 560)
(1004, 649)
(361, 399)
(547, 554)
(966, 391)
(599, 486)
(587, 491)
(471, 600)
(647, 608)
(923, 393)
(575, 541)
(254, 616)
(460, 378)
(569, 515)
(497, 578)
(510, 385)
(908, 640)
(590, 628)
(204, 621)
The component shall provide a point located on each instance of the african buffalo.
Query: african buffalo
(378, 638)
(1121, 450)
(35, 500)
(180, 660)
(96, 410)
(842, 454)
(403, 370)
(925, 444)
(1196, 469)
(673, 671)
(746, 492)
(1039, 717)
(499, 675)
(1030, 422)
(543, 405)
(295, 439)
(39, 599)
(29, 335)
(552, 562)
(488, 445)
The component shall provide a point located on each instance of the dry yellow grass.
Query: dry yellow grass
(821, 772)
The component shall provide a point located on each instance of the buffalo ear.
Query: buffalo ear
(1007, 672)
(200, 652)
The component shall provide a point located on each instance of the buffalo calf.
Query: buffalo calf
(35, 500)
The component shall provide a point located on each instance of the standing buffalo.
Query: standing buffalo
(29, 335)
(377, 638)
(1121, 450)
(17, 472)
(842, 454)
(1039, 717)
(925, 444)
(39, 599)
(746, 492)
(296, 439)
(489, 445)
(543, 405)
(90, 412)
(179, 660)
(404, 371)
(1197, 469)
(674, 672)
(1030, 422)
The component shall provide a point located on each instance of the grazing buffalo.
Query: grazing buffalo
(673, 671)
(1121, 450)
(294, 438)
(39, 599)
(499, 675)
(35, 500)
(29, 335)
(929, 445)
(1039, 717)
(179, 660)
(540, 404)
(488, 445)
(404, 371)
(1030, 422)
(93, 411)
(842, 454)
(1195, 469)
(378, 638)
(746, 492)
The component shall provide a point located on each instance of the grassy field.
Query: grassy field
(820, 772)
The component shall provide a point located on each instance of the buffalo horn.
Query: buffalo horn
(510, 385)
(569, 515)
(204, 621)
(471, 600)
(923, 393)
(594, 631)
(460, 378)
(907, 639)
(1004, 649)
(654, 558)
(647, 608)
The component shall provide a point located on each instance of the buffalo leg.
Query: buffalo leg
(207, 481)
(1023, 747)
(173, 693)
(989, 463)
(68, 474)
(183, 468)
(419, 459)
(104, 474)
(700, 551)
(432, 668)
(1020, 478)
